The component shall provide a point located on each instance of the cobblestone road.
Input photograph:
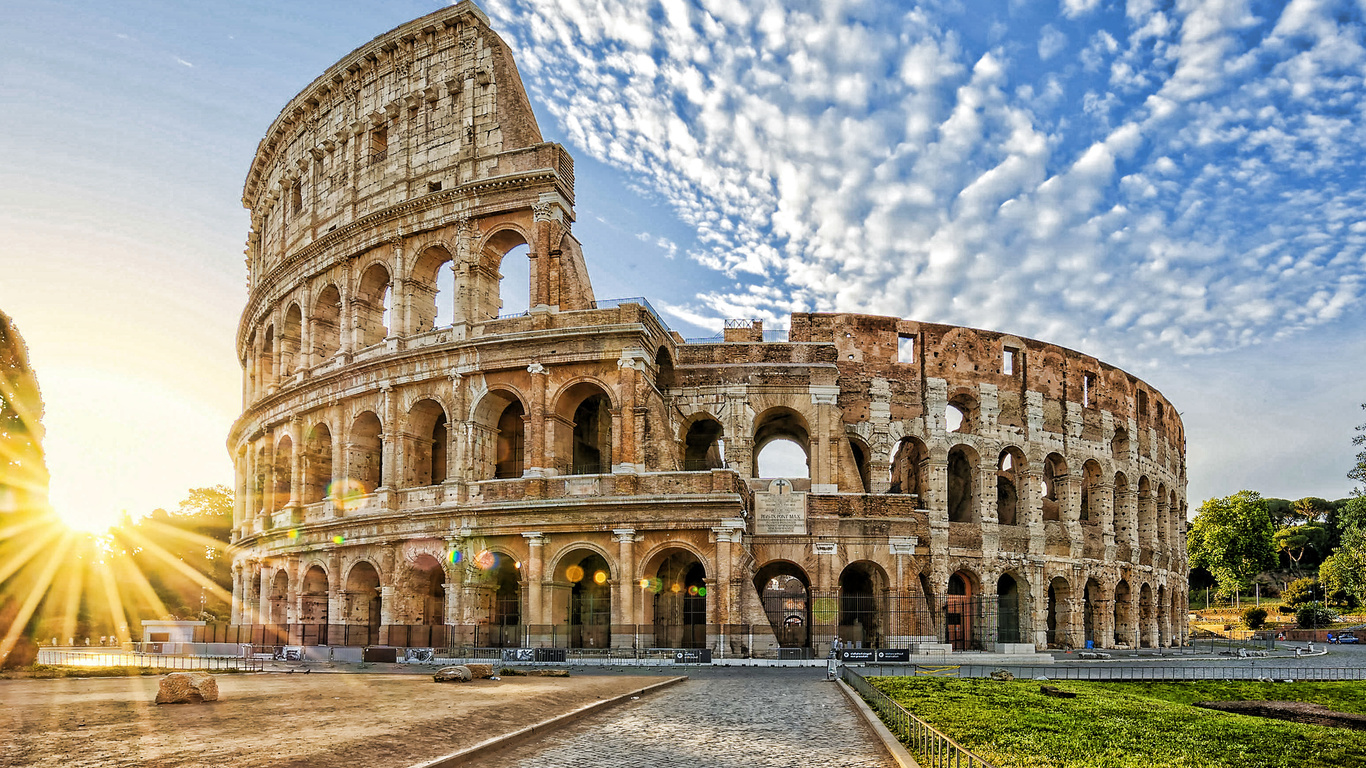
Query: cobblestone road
(731, 718)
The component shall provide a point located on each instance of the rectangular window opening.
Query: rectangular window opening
(1088, 390)
(1008, 361)
(296, 198)
(433, 186)
(379, 144)
(905, 348)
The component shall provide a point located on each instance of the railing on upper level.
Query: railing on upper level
(928, 746)
(641, 300)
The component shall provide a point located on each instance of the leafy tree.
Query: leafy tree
(195, 534)
(1231, 538)
(1300, 591)
(1280, 511)
(1311, 615)
(1309, 509)
(1297, 540)
(1343, 573)
(1358, 472)
(1254, 618)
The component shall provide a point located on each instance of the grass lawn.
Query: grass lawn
(1128, 725)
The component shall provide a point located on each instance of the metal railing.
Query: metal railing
(1256, 670)
(928, 746)
(641, 300)
(119, 658)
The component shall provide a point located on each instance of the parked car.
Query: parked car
(1347, 637)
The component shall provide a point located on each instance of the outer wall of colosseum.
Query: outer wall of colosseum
(414, 469)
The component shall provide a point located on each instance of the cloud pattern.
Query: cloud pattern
(1136, 179)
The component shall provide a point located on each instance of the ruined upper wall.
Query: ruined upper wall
(431, 105)
(871, 347)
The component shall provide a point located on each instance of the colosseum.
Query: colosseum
(416, 468)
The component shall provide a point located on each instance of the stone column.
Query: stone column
(389, 439)
(336, 600)
(268, 501)
(540, 254)
(538, 423)
(235, 616)
(625, 539)
(296, 464)
(822, 479)
(533, 610)
(457, 449)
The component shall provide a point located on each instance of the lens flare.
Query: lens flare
(676, 587)
(693, 590)
(338, 539)
(486, 560)
(600, 577)
(574, 573)
(293, 533)
(701, 591)
(456, 556)
(348, 495)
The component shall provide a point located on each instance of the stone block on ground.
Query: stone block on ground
(457, 674)
(480, 671)
(1003, 675)
(187, 688)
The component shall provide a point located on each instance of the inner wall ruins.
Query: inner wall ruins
(415, 469)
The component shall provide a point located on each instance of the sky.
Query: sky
(1173, 187)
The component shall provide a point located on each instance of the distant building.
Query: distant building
(415, 467)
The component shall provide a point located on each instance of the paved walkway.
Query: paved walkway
(732, 718)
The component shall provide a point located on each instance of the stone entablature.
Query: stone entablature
(555, 470)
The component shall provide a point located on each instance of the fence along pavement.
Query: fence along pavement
(931, 748)
(1144, 673)
(119, 658)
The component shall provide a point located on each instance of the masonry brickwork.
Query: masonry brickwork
(415, 469)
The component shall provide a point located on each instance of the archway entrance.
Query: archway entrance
(363, 596)
(1059, 614)
(862, 618)
(313, 607)
(590, 601)
(680, 602)
(279, 600)
(505, 611)
(958, 612)
(1007, 610)
(785, 592)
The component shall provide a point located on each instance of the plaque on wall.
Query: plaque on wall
(780, 511)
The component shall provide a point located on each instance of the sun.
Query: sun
(84, 509)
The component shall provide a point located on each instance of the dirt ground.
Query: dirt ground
(277, 720)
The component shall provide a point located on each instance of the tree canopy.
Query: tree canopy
(1231, 537)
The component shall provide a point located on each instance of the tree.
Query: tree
(1254, 617)
(1299, 591)
(1358, 472)
(1231, 537)
(1295, 540)
(195, 534)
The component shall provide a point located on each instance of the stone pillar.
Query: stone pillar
(626, 586)
(389, 440)
(456, 448)
(235, 616)
(540, 254)
(296, 464)
(268, 501)
(538, 432)
(533, 610)
(336, 600)
(822, 480)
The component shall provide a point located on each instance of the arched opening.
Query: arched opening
(1147, 634)
(782, 445)
(267, 359)
(317, 464)
(962, 484)
(427, 436)
(505, 264)
(702, 446)
(505, 614)
(373, 304)
(426, 581)
(499, 445)
(585, 448)
(430, 306)
(1161, 513)
(785, 591)
(1090, 480)
(1092, 600)
(679, 601)
(961, 414)
(283, 469)
(1164, 618)
(365, 466)
(1059, 619)
(1054, 478)
(279, 599)
(664, 370)
(1008, 612)
(862, 619)
(1123, 523)
(590, 599)
(910, 464)
(1009, 474)
(363, 605)
(326, 324)
(262, 494)
(1147, 512)
(1124, 630)
(959, 624)
(313, 606)
(291, 334)
(861, 455)
(1119, 445)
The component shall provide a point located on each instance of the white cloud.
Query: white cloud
(1074, 8)
(1051, 42)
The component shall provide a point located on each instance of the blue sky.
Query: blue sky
(1172, 187)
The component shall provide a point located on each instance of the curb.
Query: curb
(895, 749)
(541, 728)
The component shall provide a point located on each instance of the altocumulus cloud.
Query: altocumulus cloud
(1184, 179)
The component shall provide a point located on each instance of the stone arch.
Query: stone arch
(425, 581)
(862, 456)
(664, 369)
(780, 423)
(365, 454)
(291, 339)
(1059, 614)
(496, 292)
(703, 443)
(500, 446)
(1161, 512)
(372, 304)
(1147, 512)
(962, 610)
(1010, 474)
(364, 601)
(317, 457)
(1148, 634)
(1012, 608)
(963, 407)
(674, 581)
(1093, 605)
(279, 599)
(963, 491)
(584, 577)
(424, 288)
(325, 323)
(1054, 486)
(500, 580)
(1119, 445)
(910, 469)
(583, 437)
(785, 592)
(313, 605)
(1090, 484)
(266, 359)
(863, 616)
(428, 443)
(283, 492)
(1125, 630)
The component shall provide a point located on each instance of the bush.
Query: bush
(1254, 618)
(1300, 591)
(1311, 615)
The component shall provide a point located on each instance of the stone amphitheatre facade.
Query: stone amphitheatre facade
(415, 469)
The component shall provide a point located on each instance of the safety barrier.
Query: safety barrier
(928, 746)
(60, 657)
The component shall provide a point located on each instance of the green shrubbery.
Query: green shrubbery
(1254, 618)
(1311, 615)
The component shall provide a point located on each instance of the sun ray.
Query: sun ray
(143, 589)
(114, 603)
(35, 596)
(190, 536)
(12, 566)
(71, 603)
(185, 570)
(14, 531)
